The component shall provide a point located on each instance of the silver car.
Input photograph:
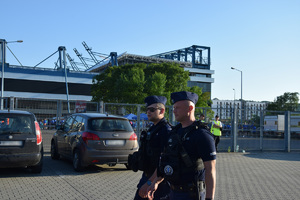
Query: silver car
(94, 138)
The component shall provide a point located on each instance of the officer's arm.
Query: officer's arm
(143, 191)
(154, 185)
(210, 178)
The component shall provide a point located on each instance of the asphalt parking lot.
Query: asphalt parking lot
(267, 175)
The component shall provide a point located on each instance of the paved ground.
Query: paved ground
(258, 176)
(269, 175)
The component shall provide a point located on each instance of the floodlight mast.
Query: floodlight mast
(3, 43)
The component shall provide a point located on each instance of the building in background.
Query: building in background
(68, 81)
(224, 108)
(45, 83)
(58, 91)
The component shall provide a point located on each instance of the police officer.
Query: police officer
(216, 130)
(154, 141)
(189, 160)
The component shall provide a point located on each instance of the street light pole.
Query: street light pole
(242, 112)
(241, 81)
(3, 43)
(234, 97)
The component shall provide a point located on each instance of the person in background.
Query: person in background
(45, 123)
(202, 118)
(216, 130)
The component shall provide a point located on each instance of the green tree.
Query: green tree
(286, 102)
(132, 83)
(120, 84)
(204, 101)
(255, 120)
(176, 77)
(156, 84)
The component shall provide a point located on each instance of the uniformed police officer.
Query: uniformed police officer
(156, 139)
(189, 160)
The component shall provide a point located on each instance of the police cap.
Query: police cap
(184, 95)
(155, 99)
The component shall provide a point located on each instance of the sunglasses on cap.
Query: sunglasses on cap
(151, 109)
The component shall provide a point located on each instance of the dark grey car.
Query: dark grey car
(21, 142)
(94, 138)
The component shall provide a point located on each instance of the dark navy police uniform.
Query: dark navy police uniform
(157, 142)
(181, 163)
(156, 139)
(199, 143)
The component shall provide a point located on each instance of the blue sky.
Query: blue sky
(259, 37)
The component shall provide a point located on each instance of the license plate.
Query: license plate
(11, 143)
(114, 142)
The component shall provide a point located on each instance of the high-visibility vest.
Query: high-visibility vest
(216, 131)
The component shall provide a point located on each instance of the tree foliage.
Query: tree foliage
(286, 102)
(120, 84)
(131, 83)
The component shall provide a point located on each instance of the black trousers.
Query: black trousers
(217, 140)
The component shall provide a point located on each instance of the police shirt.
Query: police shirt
(156, 144)
(198, 143)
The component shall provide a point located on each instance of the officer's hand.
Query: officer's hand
(151, 189)
(143, 191)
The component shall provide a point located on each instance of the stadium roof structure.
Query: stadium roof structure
(199, 56)
(126, 58)
(190, 57)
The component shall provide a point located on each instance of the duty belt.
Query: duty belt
(183, 188)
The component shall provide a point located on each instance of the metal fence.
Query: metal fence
(266, 130)
(263, 130)
(242, 131)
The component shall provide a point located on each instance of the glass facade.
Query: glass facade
(206, 87)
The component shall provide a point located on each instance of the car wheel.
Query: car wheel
(77, 161)
(37, 169)
(54, 154)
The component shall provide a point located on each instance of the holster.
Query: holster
(136, 161)
(200, 189)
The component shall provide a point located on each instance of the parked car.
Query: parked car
(21, 143)
(94, 138)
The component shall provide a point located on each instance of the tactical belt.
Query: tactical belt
(183, 188)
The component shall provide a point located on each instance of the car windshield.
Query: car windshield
(109, 124)
(15, 124)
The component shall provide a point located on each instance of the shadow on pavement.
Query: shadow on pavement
(292, 156)
(61, 167)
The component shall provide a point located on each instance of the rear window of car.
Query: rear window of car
(12, 123)
(109, 124)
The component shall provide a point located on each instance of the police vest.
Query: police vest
(175, 161)
(216, 131)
